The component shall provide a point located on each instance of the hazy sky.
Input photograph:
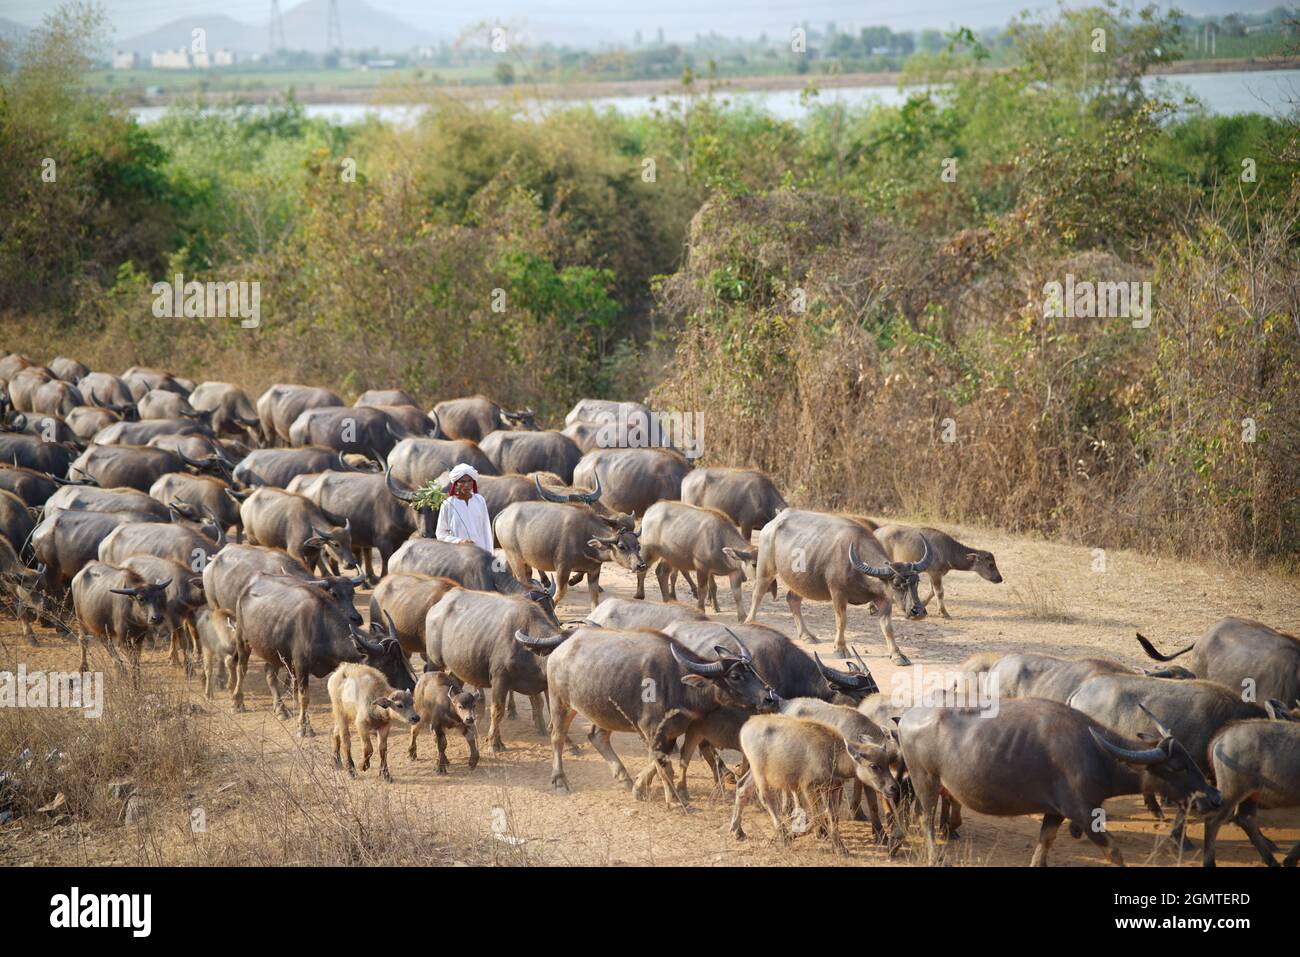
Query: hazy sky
(614, 20)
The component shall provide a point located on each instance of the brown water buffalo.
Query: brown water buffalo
(835, 558)
(229, 409)
(139, 433)
(295, 523)
(383, 397)
(1247, 656)
(69, 370)
(364, 430)
(280, 405)
(48, 428)
(278, 467)
(108, 392)
(472, 418)
(1034, 675)
(180, 541)
(747, 496)
(630, 613)
(56, 397)
(33, 487)
(18, 588)
(164, 404)
(564, 538)
(25, 383)
(693, 540)
(471, 634)
(33, 452)
(415, 461)
(444, 705)
(903, 543)
(142, 379)
(1257, 766)
(1036, 756)
(524, 452)
(86, 420)
(183, 598)
(88, 498)
(126, 466)
(406, 598)
(232, 569)
(361, 698)
(198, 495)
(16, 520)
(298, 626)
(641, 682)
(118, 607)
(632, 480)
(65, 542)
(599, 410)
(467, 564)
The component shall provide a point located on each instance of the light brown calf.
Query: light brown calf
(443, 704)
(361, 697)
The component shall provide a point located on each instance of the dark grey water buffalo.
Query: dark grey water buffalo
(1257, 767)
(297, 625)
(181, 542)
(69, 370)
(142, 379)
(643, 682)
(228, 407)
(472, 635)
(109, 392)
(18, 588)
(835, 558)
(48, 428)
(162, 404)
(383, 397)
(281, 404)
(184, 597)
(33, 487)
(467, 564)
(747, 496)
(502, 490)
(406, 598)
(16, 520)
(585, 435)
(416, 461)
(902, 543)
(198, 495)
(632, 480)
(524, 452)
(630, 613)
(1036, 756)
(295, 523)
(373, 507)
(235, 566)
(1034, 675)
(118, 607)
(88, 498)
(126, 466)
(601, 410)
(1194, 711)
(1247, 656)
(66, 542)
(278, 467)
(86, 420)
(694, 541)
(474, 417)
(33, 452)
(56, 397)
(363, 430)
(139, 433)
(564, 538)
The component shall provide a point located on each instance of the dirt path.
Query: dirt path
(1053, 600)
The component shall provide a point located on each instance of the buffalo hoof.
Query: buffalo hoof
(352, 771)
(900, 659)
(473, 762)
(238, 707)
(496, 747)
(411, 753)
(306, 733)
(738, 834)
(386, 775)
(440, 769)
(560, 785)
(811, 639)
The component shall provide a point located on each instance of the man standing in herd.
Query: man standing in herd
(463, 516)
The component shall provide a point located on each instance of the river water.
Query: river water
(1271, 92)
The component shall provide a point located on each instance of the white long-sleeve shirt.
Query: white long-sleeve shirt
(459, 520)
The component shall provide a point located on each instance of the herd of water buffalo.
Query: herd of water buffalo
(146, 506)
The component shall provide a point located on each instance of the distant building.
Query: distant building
(200, 60)
(124, 60)
(170, 59)
(379, 65)
(223, 57)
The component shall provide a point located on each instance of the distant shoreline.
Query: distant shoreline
(399, 94)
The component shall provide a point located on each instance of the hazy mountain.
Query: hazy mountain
(13, 31)
(364, 28)
(223, 33)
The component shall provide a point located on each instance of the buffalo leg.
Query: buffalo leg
(442, 751)
(384, 773)
(600, 740)
(535, 701)
(593, 587)
(304, 723)
(471, 739)
(415, 734)
(926, 788)
(496, 712)
(841, 606)
(771, 801)
(886, 608)
(1247, 821)
(272, 682)
(511, 711)
(1046, 835)
(1103, 840)
(936, 591)
(796, 609)
(343, 739)
(744, 794)
(367, 747)
(561, 583)
(561, 717)
(763, 581)
(662, 573)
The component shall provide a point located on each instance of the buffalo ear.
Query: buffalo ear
(695, 681)
(973, 556)
(596, 543)
(1149, 738)
(383, 703)
(315, 541)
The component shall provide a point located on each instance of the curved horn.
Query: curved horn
(437, 425)
(163, 584)
(125, 591)
(589, 497)
(358, 581)
(840, 679)
(699, 668)
(221, 532)
(388, 624)
(860, 566)
(548, 496)
(539, 644)
(1164, 732)
(401, 494)
(744, 652)
(922, 563)
(1147, 756)
(364, 643)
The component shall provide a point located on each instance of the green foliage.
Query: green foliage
(429, 496)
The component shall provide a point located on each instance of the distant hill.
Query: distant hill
(13, 32)
(223, 33)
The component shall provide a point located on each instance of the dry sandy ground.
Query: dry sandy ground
(1052, 601)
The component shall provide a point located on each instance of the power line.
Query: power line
(276, 27)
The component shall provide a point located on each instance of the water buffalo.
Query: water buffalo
(295, 523)
(406, 598)
(180, 541)
(139, 433)
(690, 539)
(88, 498)
(126, 466)
(298, 626)
(118, 607)
(163, 404)
(278, 467)
(416, 461)
(142, 379)
(56, 397)
(643, 682)
(373, 508)
(48, 428)
(197, 495)
(524, 452)
(232, 569)
(33, 452)
(467, 564)
(16, 521)
(835, 558)
(602, 410)
(69, 370)
(903, 543)
(1036, 756)
(11, 365)
(230, 411)
(471, 634)
(22, 387)
(564, 538)
(632, 480)
(444, 705)
(184, 597)
(1256, 766)
(280, 405)
(361, 697)
(383, 397)
(65, 542)
(630, 613)
(18, 588)
(108, 392)
(747, 496)
(502, 490)
(33, 487)
(364, 430)
(87, 420)
(1244, 655)
(474, 417)
(1034, 675)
